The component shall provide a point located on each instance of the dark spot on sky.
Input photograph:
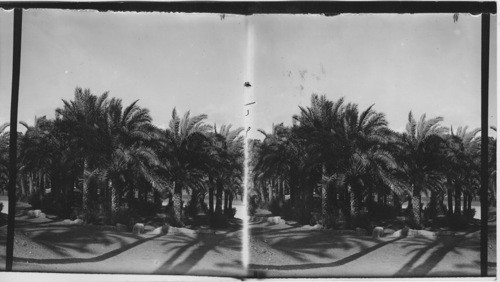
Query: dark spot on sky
(247, 84)
(302, 73)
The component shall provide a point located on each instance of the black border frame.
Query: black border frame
(268, 7)
(249, 8)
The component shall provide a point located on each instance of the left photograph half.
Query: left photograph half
(129, 145)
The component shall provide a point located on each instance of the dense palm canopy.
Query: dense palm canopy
(337, 165)
(419, 160)
(352, 163)
(128, 140)
(186, 143)
(463, 161)
(101, 160)
(4, 156)
(227, 169)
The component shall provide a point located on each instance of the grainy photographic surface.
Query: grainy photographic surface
(367, 161)
(129, 123)
(259, 145)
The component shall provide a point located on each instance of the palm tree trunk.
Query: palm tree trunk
(355, 197)
(281, 191)
(396, 202)
(195, 201)
(177, 203)
(66, 190)
(469, 202)
(56, 183)
(458, 195)
(450, 201)
(115, 198)
(307, 204)
(42, 187)
(293, 188)
(409, 208)
(42, 182)
(226, 201)
(262, 190)
(333, 193)
(301, 205)
(465, 200)
(492, 190)
(218, 198)
(370, 199)
(347, 207)
(157, 199)
(210, 195)
(265, 190)
(416, 201)
(271, 190)
(72, 183)
(433, 204)
(309, 201)
(144, 195)
(440, 205)
(292, 195)
(30, 183)
(324, 193)
(85, 188)
(23, 187)
(39, 180)
(353, 204)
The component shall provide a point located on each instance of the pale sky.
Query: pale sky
(192, 62)
(424, 63)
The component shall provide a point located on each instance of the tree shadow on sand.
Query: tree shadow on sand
(336, 263)
(300, 245)
(69, 244)
(436, 250)
(194, 247)
(65, 240)
(309, 245)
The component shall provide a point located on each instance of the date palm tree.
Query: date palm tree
(492, 167)
(419, 159)
(367, 144)
(4, 156)
(37, 154)
(275, 158)
(83, 119)
(319, 125)
(282, 162)
(463, 154)
(47, 160)
(229, 148)
(128, 142)
(184, 155)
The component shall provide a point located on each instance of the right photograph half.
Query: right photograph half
(365, 146)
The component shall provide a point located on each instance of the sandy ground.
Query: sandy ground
(282, 250)
(296, 251)
(47, 245)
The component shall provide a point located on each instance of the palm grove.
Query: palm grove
(106, 162)
(341, 166)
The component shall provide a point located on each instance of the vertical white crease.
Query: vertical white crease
(247, 111)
